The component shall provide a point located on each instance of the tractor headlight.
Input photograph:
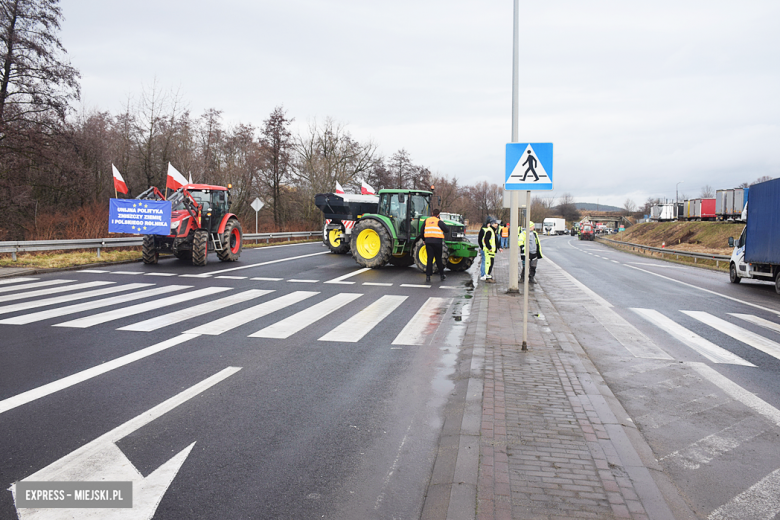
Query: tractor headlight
(175, 226)
(458, 234)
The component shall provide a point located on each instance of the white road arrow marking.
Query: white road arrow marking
(102, 460)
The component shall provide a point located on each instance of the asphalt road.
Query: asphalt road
(693, 359)
(306, 407)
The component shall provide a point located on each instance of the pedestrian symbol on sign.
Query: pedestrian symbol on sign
(531, 161)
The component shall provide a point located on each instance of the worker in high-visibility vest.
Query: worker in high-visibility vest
(433, 235)
(505, 236)
(534, 252)
(488, 242)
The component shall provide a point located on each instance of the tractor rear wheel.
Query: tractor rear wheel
(337, 241)
(200, 248)
(372, 245)
(232, 241)
(149, 251)
(420, 255)
(459, 263)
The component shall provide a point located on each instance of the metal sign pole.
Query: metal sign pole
(528, 238)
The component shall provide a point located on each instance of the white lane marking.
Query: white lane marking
(287, 259)
(760, 501)
(704, 347)
(422, 286)
(424, 323)
(738, 333)
(448, 287)
(217, 327)
(124, 312)
(743, 302)
(79, 377)
(87, 306)
(595, 297)
(101, 460)
(193, 312)
(16, 280)
(361, 323)
(129, 273)
(205, 275)
(71, 297)
(96, 271)
(630, 337)
(267, 279)
(295, 280)
(659, 265)
(615, 262)
(705, 450)
(341, 279)
(34, 285)
(378, 284)
(226, 277)
(761, 322)
(52, 290)
(161, 274)
(297, 322)
(738, 393)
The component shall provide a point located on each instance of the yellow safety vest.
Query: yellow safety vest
(432, 229)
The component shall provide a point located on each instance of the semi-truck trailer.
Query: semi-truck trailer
(756, 254)
(554, 226)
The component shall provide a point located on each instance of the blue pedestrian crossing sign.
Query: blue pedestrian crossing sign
(529, 166)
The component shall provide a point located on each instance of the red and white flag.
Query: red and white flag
(339, 189)
(175, 179)
(365, 189)
(119, 182)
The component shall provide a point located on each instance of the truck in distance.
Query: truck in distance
(554, 226)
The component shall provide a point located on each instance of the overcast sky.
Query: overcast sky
(635, 96)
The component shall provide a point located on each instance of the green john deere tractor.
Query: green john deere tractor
(395, 234)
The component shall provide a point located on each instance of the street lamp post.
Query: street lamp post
(676, 200)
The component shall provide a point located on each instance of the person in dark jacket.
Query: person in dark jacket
(433, 235)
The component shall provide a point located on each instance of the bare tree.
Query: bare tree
(763, 178)
(36, 84)
(629, 207)
(707, 192)
(568, 208)
(277, 147)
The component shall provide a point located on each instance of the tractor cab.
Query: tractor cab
(407, 210)
(213, 202)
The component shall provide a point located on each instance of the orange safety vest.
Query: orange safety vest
(505, 231)
(432, 229)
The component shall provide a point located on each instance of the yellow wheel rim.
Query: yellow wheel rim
(368, 243)
(334, 237)
(455, 259)
(423, 255)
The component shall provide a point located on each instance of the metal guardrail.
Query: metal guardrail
(22, 246)
(664, 251)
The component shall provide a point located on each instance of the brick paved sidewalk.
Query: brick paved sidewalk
(550, 445)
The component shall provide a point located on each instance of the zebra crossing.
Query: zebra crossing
(102, 302)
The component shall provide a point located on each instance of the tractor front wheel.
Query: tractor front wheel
(459, 263)
(200, 248)
(149, 251)
(372, 245)
(420, 255)
(232, 241)
(337, 241)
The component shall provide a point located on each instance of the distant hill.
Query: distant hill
(589, 206)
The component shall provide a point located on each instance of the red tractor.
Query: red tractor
(200, 221)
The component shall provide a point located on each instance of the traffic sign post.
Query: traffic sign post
(529, 167)
(257, 205)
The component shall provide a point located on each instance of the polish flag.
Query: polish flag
(175, 179)
(339, 189)
(365, 189)
(119, 182)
